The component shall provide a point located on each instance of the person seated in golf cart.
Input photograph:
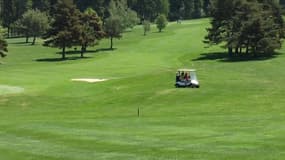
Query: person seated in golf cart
(177, 76)
(182, 76)
(186, 78)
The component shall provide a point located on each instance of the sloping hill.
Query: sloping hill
(237, 114)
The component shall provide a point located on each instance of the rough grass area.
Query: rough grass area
(237, 114)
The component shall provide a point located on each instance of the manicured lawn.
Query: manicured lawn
(237, 114)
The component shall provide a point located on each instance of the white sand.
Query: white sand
(5, 89)
(89, 80)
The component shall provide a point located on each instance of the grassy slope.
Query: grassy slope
(237, 114)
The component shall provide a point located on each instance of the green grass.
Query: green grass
(237, 114)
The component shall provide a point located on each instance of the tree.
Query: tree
(42, 5)
(33, 23)
(65, 28)
(3, 43)
(198, 9)
(121, 17)
(13, 10)
(7, 14)
(146, 26)
(113, 28)
(127, 16)
(206, 6)
(150, 9)
(91, 31)
(100, 6)
(177, 8)
(256, 26)
(161, 22)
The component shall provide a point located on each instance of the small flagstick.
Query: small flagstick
(138, 111)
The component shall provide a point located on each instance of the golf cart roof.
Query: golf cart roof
(186, 70)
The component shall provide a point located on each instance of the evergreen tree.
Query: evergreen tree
(13, 10)
(177, 9)
(198, 9)
(150, 9)
(65, 28)
(256, 26)
(100, 6)
(206, 7)
(42, 5)
(8, 14)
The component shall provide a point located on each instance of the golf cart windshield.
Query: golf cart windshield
(193, 75)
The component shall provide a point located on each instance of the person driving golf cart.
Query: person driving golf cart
(186, 78)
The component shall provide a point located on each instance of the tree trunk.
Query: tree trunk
(63, 52)
(85, 47)
(9, 30)
(27, 39)
(34, 40)
(254, 50)
(240, 50)
(230, 51)
(247, 47)
(82, 51)
(111, 42)
(236, 50)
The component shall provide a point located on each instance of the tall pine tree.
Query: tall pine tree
(65, 29)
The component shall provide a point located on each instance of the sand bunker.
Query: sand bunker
(5, 89)
(89, 80)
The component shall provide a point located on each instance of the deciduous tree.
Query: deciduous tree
(91, 30)
(161, 22)
(33, 23)
(3, 44)
(146, 26)
(113, 28)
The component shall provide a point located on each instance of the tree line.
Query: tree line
(242, 26)
(63, 25)
(246, 27)
(11, 10)
(67, 23)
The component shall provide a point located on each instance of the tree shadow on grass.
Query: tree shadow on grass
(78, 52)
(60, 59)
(224, 57)
(75, 52)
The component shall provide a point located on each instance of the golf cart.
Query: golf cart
(186, 78)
